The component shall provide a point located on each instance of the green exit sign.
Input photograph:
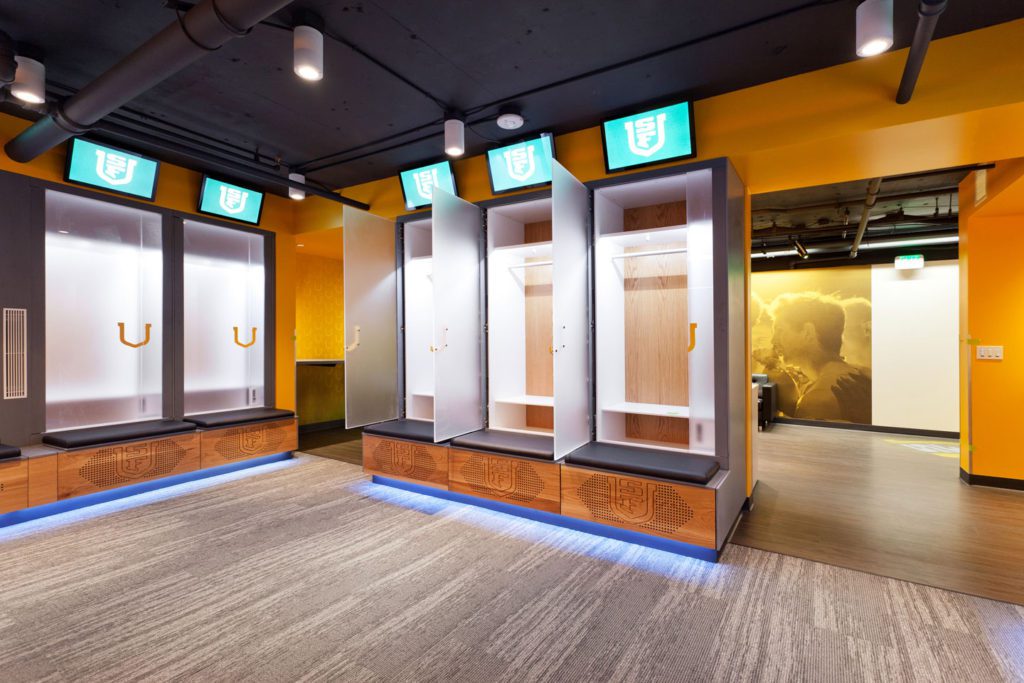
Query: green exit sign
(227, 200)
(111, 169)
(650, 137)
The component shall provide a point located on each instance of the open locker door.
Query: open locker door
(371, 319)
(570, 327)
(458, 315)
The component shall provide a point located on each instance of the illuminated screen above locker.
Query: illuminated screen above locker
(650, 137)
(521, 165)
(418, 183)
(111, 169)
(227, 200)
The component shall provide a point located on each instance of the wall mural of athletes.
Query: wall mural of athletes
(811, 334)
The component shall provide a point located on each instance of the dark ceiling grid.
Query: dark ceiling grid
(464, 54)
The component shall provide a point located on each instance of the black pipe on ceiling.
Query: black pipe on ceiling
(7, 64)
(211, 162)
(927, 17)
(204, 28)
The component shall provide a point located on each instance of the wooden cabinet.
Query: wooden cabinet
(413, 461)
(13, 485)
(234, 444)
(108, 467)
(518, 481)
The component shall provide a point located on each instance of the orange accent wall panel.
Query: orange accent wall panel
(110, 467)
(650, 506)
(529, 483)
(13, 485)
(234, 444)
(409, 460)
(42, 480)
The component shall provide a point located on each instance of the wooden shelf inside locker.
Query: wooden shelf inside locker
(528, 400)
(656, 409)
(525, 250)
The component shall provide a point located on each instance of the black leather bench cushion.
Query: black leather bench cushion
(651, 462)
(133, 431)
(236, 417)
(414, 430)
(513, 443)
(8, 452)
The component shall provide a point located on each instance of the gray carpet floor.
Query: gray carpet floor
(304, 571)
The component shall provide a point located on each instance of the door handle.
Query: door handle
(251, 342)
(693, 337)
(355, 342)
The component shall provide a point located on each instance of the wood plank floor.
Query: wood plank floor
(866, 501)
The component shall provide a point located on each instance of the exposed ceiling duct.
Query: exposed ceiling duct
(927, 17)
(202, 29)
(869, 201)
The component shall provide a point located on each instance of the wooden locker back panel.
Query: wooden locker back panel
(408, 460)
(13, 485)
(682, 513)
(223, 446)
(109, 467)
(528, 483)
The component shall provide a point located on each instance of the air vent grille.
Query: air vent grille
(15, 353)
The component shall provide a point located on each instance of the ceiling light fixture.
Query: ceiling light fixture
(874, 27)
(454, 135)
(801, 250)
(294, 192)
(510, 120)
(29, 80)
(308, 47)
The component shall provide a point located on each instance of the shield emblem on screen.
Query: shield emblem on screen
(647, 135)
(232, 200)
(425, 183)
(632, 500)
(519, 163)
(132, 462)
(115, 169)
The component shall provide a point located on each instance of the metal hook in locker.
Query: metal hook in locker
(693, 337)
(444, 342)
(245, 346)
(120, 327)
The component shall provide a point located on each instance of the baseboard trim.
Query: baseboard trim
(321, 426)
(868, 428)
(994, 482)
(656, 542)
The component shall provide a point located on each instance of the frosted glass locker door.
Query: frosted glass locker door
(225, 318)
(570, 208)
(458, 395)
(371, 319)
(104, 313)
(701, 307)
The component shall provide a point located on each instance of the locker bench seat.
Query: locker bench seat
(539, 446)
(412, 430)
(9, 452)
(650, 462)
(133, 431)
(232, 418)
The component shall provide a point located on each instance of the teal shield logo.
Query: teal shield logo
(649, 138)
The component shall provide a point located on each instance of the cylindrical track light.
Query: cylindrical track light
(29, 80)
(294, 192)
(874, 27)
(308, 47)
(454, 135)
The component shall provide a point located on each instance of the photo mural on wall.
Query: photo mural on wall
(811, 334)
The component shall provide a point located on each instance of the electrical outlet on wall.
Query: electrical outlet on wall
(990, 353)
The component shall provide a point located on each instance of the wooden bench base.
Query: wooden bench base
(244, 442)
(13, 485)
(108, 467)
(679, 512)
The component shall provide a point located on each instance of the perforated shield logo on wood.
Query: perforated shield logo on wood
(252, 440)
(644, 504)
(499, 475)
(134, 461)
(632, 500)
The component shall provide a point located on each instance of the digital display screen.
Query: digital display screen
(227, 200)
(112, 169)
(418, 183)
(524, 164)
(650, 137)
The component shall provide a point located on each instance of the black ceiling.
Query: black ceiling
(381, 110)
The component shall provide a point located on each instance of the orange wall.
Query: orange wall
(178, 189)
(991, 238)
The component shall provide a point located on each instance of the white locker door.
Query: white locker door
(569, 309)
(458, 396)
(371, 319)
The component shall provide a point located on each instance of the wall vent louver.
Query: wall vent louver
(15, 353)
